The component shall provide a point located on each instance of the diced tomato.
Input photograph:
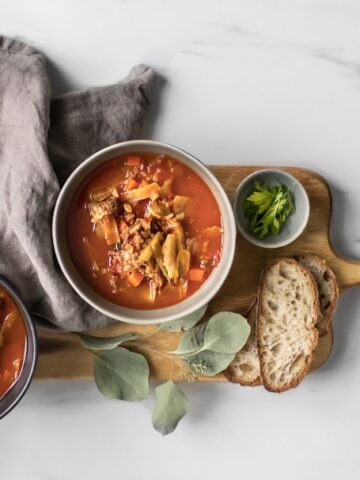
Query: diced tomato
(196, 275)
(133, 161)
(135, 278)
(131, 184)
(139, 208)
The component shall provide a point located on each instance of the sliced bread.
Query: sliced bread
(327, 285)
(245, 368)
(288, 310)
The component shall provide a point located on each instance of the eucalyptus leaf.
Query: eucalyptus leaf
(192, 341)
(122, 374)
(226, 332)
(171, 404)
(184, 323)
(106, 343)
(209, 363)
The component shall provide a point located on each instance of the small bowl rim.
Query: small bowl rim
(6, 285)
(253, 239)
(202, 299)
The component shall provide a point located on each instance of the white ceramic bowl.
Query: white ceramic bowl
(295, 223)
(187, 306)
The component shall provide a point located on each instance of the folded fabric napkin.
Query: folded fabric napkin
(41, 141)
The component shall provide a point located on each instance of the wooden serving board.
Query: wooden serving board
(62, 356)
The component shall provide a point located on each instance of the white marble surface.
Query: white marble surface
(247, 82)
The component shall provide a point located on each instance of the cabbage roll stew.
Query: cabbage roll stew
(12, 342)
(144, 231)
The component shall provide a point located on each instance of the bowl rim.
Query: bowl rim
(225, 260)
(257, 241)
(31, 333)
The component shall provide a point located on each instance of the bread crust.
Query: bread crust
(231, 372)
(262, 348)
(236, 379)
(325, 279)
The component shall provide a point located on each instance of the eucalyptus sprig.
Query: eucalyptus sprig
(205, 349)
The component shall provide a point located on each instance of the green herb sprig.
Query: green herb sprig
(267, 209)
(206, 349)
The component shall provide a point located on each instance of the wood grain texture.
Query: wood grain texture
(61, 355)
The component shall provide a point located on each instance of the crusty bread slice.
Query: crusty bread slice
(288, 310)
(327, 285)
(245, 368)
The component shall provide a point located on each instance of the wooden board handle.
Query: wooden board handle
(347, 272)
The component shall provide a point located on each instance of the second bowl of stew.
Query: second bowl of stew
(18, 348)
(144, 232)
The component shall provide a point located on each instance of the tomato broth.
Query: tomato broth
(12, 342)
(144, 231)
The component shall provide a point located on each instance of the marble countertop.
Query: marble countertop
(244, 82)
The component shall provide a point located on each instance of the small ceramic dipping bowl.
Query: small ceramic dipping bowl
(13, 396)
(295, 224)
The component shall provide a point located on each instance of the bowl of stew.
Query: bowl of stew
(18, 348)
(144, 232)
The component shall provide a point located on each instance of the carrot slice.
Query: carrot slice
(131, 184)
(133, 160)
(143, 183)
(196, 275)
(135, 278)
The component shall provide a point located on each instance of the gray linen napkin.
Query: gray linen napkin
(41, 141)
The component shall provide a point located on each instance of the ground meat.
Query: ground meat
(98, 210)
